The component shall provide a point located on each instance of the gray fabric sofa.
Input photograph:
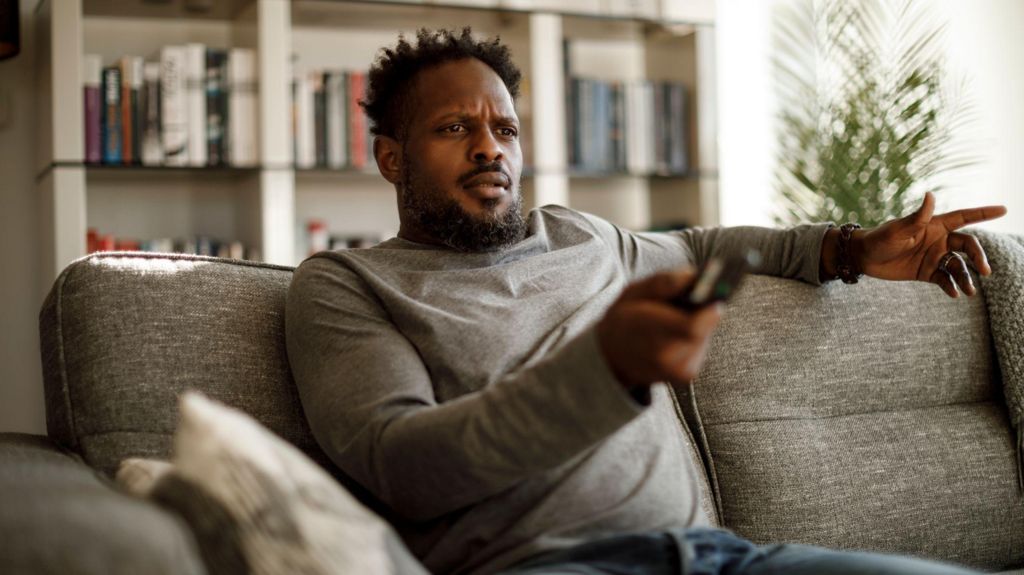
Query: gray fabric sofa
(867, 416)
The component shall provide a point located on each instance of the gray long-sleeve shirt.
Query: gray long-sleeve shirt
(467, 393)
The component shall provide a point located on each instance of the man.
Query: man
(492, 380)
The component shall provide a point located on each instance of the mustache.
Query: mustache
(483, 169)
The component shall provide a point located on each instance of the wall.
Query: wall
(983, 45)
(21, 388)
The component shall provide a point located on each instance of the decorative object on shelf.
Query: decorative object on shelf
(10, 29)
(866, 117)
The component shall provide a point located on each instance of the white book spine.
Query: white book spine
(196, 75)
(137, 66)
(242, 120)
(650, 131)
(634, 129)
(174, 107)
(152, 150)
(336, 116)
(305, 138)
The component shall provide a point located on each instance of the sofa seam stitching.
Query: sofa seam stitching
(859, 413)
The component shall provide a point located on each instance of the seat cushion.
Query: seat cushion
(58, 516)
(123, 334)
(861, 417)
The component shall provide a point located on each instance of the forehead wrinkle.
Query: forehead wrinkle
(492, 94)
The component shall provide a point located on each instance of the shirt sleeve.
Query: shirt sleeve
(790, 253)
(370, 404)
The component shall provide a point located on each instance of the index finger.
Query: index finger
(960, 218)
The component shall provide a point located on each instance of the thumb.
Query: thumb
(660, 286)
(923, 215)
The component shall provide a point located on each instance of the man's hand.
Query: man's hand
(914, 247)
(646, 339)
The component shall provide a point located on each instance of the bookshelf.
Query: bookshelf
(268, 205)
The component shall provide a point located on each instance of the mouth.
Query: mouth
(488, 185)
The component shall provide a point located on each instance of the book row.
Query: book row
(637, 127)
(192, 106)
(319, 239)
(330, 128)
(198, 245)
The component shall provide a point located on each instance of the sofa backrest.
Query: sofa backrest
(862, 417)
(865, 416)
(123, 334)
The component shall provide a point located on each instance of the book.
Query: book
(126, 68)
(337, 118)
(93, 67)
(152, 150)
(677, 122)
(617, 128)
(111, 133)
(634, 128)
(242, 113)
(358, 129)
(136, 83)
(195, 73)
(316, 80)
(173, 106)
(660, 129)
(216, 106)
(305, 144)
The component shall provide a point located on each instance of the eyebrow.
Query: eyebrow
(463, 117)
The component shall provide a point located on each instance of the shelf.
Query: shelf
(339, 172)
(173, 9)
(587, 175)
(139, 168)
(592, 10)
(268, 205)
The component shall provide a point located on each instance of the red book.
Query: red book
(357, 120)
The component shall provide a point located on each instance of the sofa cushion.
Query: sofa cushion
(866, 417)
(123, 334)
(58, 516)
(258, 505)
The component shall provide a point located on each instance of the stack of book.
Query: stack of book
(626, 127)
(330, 129)
(199, 245)
(192, 106)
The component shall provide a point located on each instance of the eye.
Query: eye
(454, 129)
(508, 132)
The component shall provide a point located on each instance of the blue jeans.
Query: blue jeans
(706, 551)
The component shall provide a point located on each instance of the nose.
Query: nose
(484, 147)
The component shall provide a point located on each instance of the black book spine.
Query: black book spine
(215, 106)
(320, 119)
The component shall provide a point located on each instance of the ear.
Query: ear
(388, 153)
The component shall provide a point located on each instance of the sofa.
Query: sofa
(858, 417)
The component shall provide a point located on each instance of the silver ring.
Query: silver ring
(944, 262)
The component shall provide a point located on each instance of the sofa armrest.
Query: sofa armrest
(58, 515)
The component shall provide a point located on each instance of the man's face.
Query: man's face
(461, 160)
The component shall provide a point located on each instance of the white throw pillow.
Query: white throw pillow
(259, 505)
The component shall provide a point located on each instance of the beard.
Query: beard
(443, 219)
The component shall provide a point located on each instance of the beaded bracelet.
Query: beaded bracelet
(848, 272)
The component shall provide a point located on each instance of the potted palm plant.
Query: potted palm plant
(867, 114)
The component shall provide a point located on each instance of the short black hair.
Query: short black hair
(395, 69)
